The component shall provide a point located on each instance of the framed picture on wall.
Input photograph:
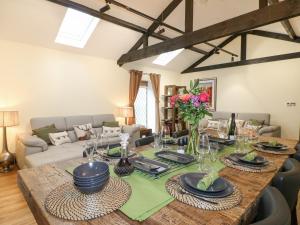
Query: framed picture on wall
(210, 87)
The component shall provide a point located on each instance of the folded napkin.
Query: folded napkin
(207, 180)
(114, 151)
(250, 156)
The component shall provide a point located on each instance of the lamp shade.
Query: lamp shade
(126, 111)
(9, 118)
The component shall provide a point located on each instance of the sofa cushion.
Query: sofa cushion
(72, 135)
(59, 138)
(99, 119)
(255, 116)
(44, 132)
(39, 122)
(72, 121)
(221, 115)
(111, 123)
(55, 154)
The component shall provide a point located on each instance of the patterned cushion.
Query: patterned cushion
(111, 131)
(84, 132)
(59, 138)
(213, 124)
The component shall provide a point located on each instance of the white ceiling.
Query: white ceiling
(37, 22)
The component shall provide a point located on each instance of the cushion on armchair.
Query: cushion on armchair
(130, 129)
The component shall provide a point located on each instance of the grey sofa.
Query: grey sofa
(32, 151)
(266, 130)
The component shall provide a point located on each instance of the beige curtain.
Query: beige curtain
(155, 81)
(134, 84)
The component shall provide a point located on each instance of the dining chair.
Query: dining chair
(297, 154)
(272, 209)
(287, 181)
(144, 141)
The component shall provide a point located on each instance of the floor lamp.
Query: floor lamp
(7, 119)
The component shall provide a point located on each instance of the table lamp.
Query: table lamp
(7, 119)
(126, 112)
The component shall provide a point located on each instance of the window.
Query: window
(76, 28)
(145, 106)
(165, 58)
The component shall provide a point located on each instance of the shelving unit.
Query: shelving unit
(170, 115)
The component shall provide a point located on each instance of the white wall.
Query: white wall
(261, 87)
(38, 81)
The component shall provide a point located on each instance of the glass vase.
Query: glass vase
(192, 148)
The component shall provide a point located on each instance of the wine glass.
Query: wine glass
(89, 149)
(156, 141)
(165, 136)
(204, 150)
(214, 149)
(223, 129)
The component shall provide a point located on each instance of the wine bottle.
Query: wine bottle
(232, 127)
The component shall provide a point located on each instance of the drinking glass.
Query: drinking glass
(89, 149)
(156, 144)
(223, 129)
(165, 136)
(204, 151)
(214, 150)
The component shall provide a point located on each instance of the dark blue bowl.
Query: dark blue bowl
(91, 189)
(88, 184)
(90, 170)
(99, 178)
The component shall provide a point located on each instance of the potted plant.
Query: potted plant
(192, 108)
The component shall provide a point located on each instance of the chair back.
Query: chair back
(287, 181)
(144, 141)
(272, 209)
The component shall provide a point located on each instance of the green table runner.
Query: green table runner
(149, 195)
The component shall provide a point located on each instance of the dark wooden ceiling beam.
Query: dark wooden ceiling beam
(286, 23)
(212, 52)
(247, 62)
(243, 46)
(114, 20)
(166, 12)
(267, 15)
(189, 15)
(263, 3)
(278, 36)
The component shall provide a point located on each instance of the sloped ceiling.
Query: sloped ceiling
(37, 22)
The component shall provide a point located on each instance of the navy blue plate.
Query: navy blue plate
(258, 160)
(90, 170)
(192, 179)
(91, 184)
(222, 194)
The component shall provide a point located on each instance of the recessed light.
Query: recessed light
(76, 28)
(165, 58)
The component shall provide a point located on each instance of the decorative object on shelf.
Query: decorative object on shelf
(192, 108)
(124, 167)
(7, 119)
(210, 87)
(126, 112)
(170, 114)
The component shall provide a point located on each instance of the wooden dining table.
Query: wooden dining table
(37, 183)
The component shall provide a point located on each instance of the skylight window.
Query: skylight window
(76, 28)
(165, 58)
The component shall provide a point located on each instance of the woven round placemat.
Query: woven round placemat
(289, 151)
(174, 189)
(269, 168)
(66, 202)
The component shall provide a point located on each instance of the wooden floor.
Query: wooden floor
(13, 207)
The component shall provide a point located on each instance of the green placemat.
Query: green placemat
(149, 195)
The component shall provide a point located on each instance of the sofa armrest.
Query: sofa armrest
(271, 131)
(132, 130)
(32, 141)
